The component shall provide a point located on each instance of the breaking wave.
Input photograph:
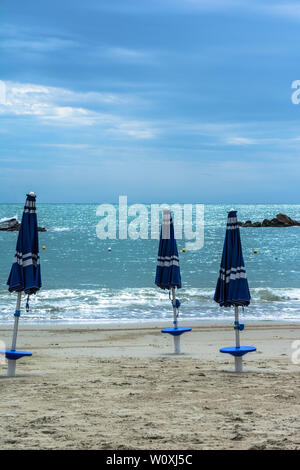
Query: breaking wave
(145, 304)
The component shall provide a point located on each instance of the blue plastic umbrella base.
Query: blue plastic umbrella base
(176, 331)
(234, 351)
(14, 354)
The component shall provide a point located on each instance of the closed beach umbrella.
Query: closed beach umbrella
(232, 286)
(25, 274)
(168, 273)
(167, 269)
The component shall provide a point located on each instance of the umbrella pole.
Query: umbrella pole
(11, 368)
(238, 359)
(175, 337)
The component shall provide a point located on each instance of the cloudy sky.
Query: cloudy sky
(159, 100)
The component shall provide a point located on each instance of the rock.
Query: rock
(281, 220)
(276, 223)
(286, 220)
(9, 225)
(248, 223)
(266, 223)
(13, 225)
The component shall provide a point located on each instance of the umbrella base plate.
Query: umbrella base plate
(234, 351)
(14, 354)
(176, 331)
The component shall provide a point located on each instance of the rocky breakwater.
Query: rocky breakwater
(281, 220)
(13, 225)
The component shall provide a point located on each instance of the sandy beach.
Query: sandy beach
(121, 387)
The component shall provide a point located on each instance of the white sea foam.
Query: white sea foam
(60, 229)
(5, 219)
(105, 305)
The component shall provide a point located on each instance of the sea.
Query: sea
(90, 280)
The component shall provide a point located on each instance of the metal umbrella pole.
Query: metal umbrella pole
(238, 360)
(11, 367)
(176, 337)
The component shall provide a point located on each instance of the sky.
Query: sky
(163, 101)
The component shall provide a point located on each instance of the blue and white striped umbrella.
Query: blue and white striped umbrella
(167, 269)
(168, 274)
(232, 286)
(25, 274)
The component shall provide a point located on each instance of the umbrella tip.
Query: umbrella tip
(166, 214)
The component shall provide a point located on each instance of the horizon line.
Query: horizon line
(171, 203)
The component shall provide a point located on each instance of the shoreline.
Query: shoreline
(144, 324)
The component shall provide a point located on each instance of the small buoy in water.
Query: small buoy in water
(183, 250)
(44, 248)
(255, 251)
(109, 249)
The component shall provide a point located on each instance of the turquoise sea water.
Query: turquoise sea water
(84, 282)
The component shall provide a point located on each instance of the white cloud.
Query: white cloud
(39, 45)
(52, 105)
(127, 53)
(240, 141)
(133, 129)
(33, 40)
(124, 55)
(273, 134)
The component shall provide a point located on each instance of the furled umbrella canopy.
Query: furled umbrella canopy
(232, 286)
(167, 269)
(25, 274)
